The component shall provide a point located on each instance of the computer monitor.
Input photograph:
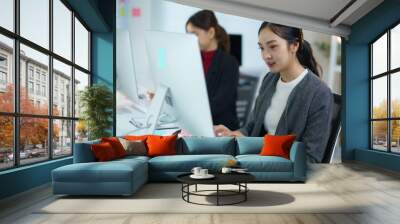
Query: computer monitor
(176, 63)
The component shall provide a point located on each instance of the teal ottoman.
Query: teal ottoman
(118, 177)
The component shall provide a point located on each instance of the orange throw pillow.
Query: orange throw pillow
(161, 145)
(103, 152)
(136, 137)
(116, 145)
(277, 145)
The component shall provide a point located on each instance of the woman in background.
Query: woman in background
(220, 68)
(292, 97)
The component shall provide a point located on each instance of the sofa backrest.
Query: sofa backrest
(206, 145)
(190, 146)
(83, 152)
(185, 145)
(249, 145)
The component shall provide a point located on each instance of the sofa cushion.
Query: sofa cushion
(249, 145)
(277, 145)
(207, 145)
(111, 171)
(103, 152)
(257, 163)
(116, 145)
(161, 145)
(185, 163)
(136, 147)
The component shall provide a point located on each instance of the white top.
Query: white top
(279, 101)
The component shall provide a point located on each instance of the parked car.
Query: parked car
(10, 157)
(22, 155)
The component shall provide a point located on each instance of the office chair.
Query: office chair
(335, 129)
(246, 92)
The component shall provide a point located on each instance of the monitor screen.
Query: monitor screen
(236, 47)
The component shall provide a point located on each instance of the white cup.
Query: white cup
(203, 172)
(226, 170)
(196, 170)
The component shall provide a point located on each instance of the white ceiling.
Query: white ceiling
(321, 9)
(313, 15)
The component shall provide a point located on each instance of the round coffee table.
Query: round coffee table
(238, 179)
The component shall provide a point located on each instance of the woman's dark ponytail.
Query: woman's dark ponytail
(206, 19)
(291, 35)
(223, 39)
(306, 58)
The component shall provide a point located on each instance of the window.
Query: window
(6, 142)
(3, 72)
(35, 22)
(62, 75)
(44, 91)
(81, 81)
(81, 45)
(3, 61)
(62, 137)
(7, 14)
(30, 87)
(30, 72)
(62, 31)
(37, 89)
(54, 126)
(38, 74)
(385, 94)
(55, 103)
(33, 148)
(3, 78)
(6, 72)
(395, 47)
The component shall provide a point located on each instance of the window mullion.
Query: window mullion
(73, 82)
(50, 81)
(389, 106)
(16, 70)
(371, 89)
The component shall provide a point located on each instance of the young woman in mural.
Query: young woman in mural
(220, 68)
(292, 98)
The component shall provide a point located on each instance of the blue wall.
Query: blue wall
(356, 85)
(102, 59)
(24, 178)
(103, 29)
(103, 62)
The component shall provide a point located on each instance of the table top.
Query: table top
(220, 178)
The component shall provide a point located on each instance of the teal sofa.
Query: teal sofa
(125, 176)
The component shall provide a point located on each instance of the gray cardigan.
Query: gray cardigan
(307, 113)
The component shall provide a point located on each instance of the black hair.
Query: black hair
(206, 19)
(292, 35)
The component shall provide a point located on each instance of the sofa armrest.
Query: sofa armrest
(298, 157)
(83, 152)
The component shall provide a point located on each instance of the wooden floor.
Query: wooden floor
(378, 188)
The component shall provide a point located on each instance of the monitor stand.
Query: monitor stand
(156, 105)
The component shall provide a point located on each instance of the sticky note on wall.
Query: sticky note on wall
(161, 58)
(122, 11)
(136, 12)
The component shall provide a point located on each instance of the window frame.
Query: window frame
(388, 74)
(16, 114)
